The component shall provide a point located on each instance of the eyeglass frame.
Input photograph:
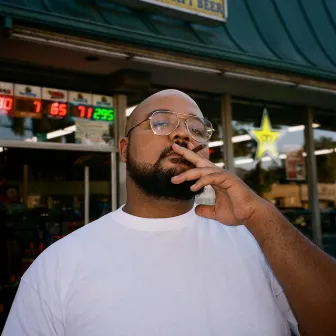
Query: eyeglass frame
(179, 120)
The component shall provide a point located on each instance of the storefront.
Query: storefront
(71, 71)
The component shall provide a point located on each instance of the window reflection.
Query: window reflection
(269, 155)
(325, 147)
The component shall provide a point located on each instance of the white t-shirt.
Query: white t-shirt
(123, 276)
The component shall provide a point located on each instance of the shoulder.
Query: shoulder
(64, 256)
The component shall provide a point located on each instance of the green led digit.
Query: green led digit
(111, 115)
(96, 113)
(105, 112)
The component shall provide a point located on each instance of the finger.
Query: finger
(192, 157)
(190, 145)
(207, 211)
(214, 179)
(194, 174)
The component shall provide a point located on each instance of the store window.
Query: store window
(42, 199)
(269, 155)
(40, 114)
(100, 185)
(325, 147)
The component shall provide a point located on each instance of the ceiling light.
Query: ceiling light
(266, 158)
(58, 133)
(243, 161)
(300, 128)
(215, 143)
(296, 128)
(256, 78)
(241, 138)
(174, 64)
(324, 151)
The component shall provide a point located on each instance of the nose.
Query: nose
(180, 133)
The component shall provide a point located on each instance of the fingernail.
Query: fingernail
(194, 186)
(175, 177)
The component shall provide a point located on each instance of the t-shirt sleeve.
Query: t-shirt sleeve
(30, 315)
(284, 305)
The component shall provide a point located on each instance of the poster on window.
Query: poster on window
(92, 132)
(295, 163)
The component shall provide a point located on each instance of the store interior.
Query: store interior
(42, 199)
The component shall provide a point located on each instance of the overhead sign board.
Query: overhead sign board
(202, 11)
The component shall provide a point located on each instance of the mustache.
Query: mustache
(170, 150)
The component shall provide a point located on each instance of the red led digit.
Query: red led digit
(89, 114)
(54, 109)
(58, 109)
(6, 103)
(85, 112)
(62, 110)
(37, 104)
(82, 110)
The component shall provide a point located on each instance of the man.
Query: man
(158, 266)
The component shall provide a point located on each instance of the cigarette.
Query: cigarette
(198, 148)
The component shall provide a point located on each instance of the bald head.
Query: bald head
(171, 99)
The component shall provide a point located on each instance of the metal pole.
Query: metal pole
(226, 113)
(25, 184)
(86, 195)
(312, 179)
(114, 182)
(119, 127)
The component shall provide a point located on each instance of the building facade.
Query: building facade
(263, 72)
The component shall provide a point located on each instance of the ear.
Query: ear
(123, 146)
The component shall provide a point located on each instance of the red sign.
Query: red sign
(295, 164)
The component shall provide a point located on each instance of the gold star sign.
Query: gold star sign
(267, 139)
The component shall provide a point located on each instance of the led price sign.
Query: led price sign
(27, 107)
(6, 105)
(102, 113)
(92, 113)
(55, 109)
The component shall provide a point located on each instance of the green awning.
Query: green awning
(284, 35)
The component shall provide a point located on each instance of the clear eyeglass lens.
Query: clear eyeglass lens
(199, 129)
(163, 123)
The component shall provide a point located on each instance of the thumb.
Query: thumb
(207, 211)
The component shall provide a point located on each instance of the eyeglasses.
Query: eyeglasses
(164, 122)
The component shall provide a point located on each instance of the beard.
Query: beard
(155, 180)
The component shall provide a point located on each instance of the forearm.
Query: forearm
(307, 274)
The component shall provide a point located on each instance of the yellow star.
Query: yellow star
(266, 138)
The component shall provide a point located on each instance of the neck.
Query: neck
(141, 205)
